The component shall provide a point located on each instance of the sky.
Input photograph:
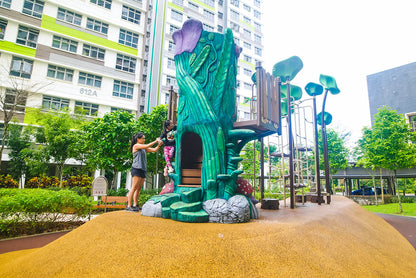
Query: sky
(347, 40)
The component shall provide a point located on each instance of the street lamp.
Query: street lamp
(330, 85)
(287, 70)
(313, 90)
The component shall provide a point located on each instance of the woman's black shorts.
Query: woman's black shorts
(138, 173)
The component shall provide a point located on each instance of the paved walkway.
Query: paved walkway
(405, 225)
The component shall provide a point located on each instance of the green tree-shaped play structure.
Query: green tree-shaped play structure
(206, 75)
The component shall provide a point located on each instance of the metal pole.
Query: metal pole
(317, 172)
(289, 121)
(262, 168)
(325, 147)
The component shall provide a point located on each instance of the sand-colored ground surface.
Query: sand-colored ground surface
(337, 240)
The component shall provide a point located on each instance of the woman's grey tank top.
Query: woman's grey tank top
(139, 160)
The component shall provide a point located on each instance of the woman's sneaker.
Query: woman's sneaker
(129, 209)
(135, 208)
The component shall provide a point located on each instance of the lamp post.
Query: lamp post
(313, 89)
(287, 70)
(330, 85)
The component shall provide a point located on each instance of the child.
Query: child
(139, 167)
(168, 137)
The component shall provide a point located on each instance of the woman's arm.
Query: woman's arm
(152, 150)
(144, 146)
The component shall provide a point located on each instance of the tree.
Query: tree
(13, 99)
(337, 151)
(18, 141)
(388, 144)
(108, 140)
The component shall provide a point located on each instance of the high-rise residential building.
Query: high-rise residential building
(89, 53)
(394, 88)
(243, 17)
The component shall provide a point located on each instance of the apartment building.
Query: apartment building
(88, 53)
(242, 16)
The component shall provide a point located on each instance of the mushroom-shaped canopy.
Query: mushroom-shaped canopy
(287, 69)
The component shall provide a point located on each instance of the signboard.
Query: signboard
(99, 186)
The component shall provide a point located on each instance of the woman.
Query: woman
(138, 169)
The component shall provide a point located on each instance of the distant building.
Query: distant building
(394, 88)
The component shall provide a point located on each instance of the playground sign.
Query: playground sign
(99, 186)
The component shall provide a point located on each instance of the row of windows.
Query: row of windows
(29, 36)
(22, 67)
(257, 14)
(35, 8)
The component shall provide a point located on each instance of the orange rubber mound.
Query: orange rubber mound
(337, 240)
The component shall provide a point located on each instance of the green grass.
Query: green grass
(409, 209)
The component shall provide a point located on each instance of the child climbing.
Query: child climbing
(168, 138)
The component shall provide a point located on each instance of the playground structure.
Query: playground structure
(209, 138)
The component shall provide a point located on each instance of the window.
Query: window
(220, 15)
(69, 16)
(257, 51)
(236, 41)
(246, 19)
(257, 39)
(97, 26)
(247, 86)
(93, 52)
(193, 6)
(54, 103)
(21, 67)
(143, 93)
(257, 14)
(170, 80)
(89, 79)
(236, 3)
(3, 24)
(60, 73)
(131, 15)
(33, 7)
(123, 89)
(15, 100)
(220, 2)
(126, 63)
(247, 7)
(257, 3)
(171, 63)
(172, 46)
(246, 45)
(235, 27)
(27, 36)
(176, 15)
(234, 15)
(178, 2)
(128, 38)
(247, 33)
(114, 109)
(209, 15)
(220, 28)
(172, 29)
(247, 72)
(209, 3)
(86, 108)
(207, 27)
(257, 27)
(247, 58)
(102, 3)
(5, 3)
(65, 44)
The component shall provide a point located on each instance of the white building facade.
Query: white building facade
(89, 53)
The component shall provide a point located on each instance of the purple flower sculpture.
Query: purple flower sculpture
(187, 37)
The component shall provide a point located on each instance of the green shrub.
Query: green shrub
(7, 181)
(119, 192)
(36, 210)
(44, 182)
